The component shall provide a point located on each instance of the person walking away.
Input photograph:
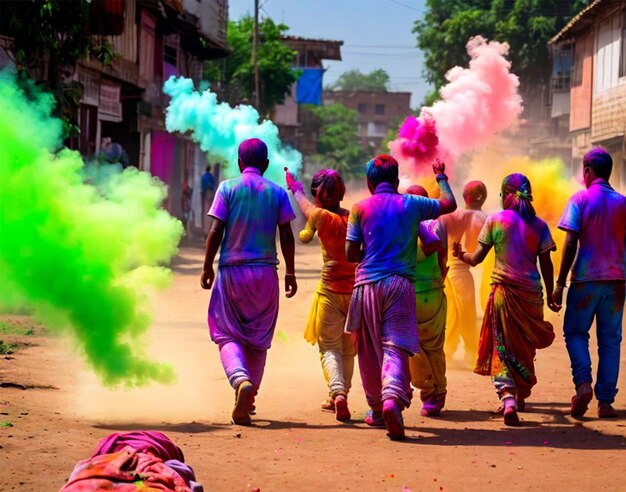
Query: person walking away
(382, 237)
(513, 327)
(594, 220)
(327, 318)
(243, 308)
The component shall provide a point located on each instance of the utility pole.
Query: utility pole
(255, 61)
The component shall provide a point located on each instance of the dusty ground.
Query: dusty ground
(64, 411)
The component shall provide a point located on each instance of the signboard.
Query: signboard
(110, 107)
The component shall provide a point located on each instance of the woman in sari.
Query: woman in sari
(332, 298)
(513, 327)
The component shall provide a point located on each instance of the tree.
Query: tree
(52, 34)
(354, 80)
(527, 25)
(234, 76)
(338, 143)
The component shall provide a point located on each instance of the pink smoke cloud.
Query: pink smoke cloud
(477, 103)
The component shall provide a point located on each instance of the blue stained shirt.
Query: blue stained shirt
(251, 207)
(387, 224)
(598, 215)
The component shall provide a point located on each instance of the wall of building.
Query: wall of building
(213, 15)
(377, 111)
(582, 83)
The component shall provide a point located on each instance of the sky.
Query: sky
(376, 34)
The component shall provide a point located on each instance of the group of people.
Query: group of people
(385, 275)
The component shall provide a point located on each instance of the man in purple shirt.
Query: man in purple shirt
(595, 222)
(243, 309)
(381, 238)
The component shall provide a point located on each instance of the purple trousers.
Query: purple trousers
(383, 316)
(242, 317)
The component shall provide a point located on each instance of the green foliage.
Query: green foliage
(5, 423)
(354, 80)
(13, 328)
(7, 348)
(527, 25)
(234, 75)
(338, 143)
(53, 31)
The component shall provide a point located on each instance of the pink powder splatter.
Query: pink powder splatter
(477, 103)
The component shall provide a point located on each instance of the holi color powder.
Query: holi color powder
(477, 103)
(219, 129)
(81, 258)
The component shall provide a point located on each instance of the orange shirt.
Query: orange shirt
(337, 274)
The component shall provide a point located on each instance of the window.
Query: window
(562, 67)
(362, 108)
(577, 69)
(379, 109)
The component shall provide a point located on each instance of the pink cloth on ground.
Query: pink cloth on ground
(154, 442)
(132, 461)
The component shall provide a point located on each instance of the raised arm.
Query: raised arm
(213, 241)
(298, 193)
(447, 201)
(288, 248)
(472, 259)
(570, 247)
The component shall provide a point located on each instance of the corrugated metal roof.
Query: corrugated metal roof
(311, 40)
(584, 14)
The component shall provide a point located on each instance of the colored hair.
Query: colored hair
(253, 152)
(517, 195)
(600, 161)
(475, 193)
(417, 190)
(382, 169)
(327, 187)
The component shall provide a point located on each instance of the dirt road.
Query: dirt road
(64, 411)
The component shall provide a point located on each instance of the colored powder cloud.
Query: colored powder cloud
(83, 259)
(219, 128)
(477, 103)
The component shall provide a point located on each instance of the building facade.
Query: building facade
(378, 112)
(299, 128)
(596, 38)
(124, 102)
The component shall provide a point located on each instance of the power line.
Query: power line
(405, 6)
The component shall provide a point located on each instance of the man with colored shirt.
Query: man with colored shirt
(595, 222)
(244, 303)
(382, 237)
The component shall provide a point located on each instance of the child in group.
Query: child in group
(513, 327)
(332, 298)
(244, 304)
(382, 237)
(428, 366)
(463, 226)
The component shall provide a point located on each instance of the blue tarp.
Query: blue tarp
(309, 86)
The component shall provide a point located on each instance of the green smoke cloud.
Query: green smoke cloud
(219, 129)
(83, 258)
